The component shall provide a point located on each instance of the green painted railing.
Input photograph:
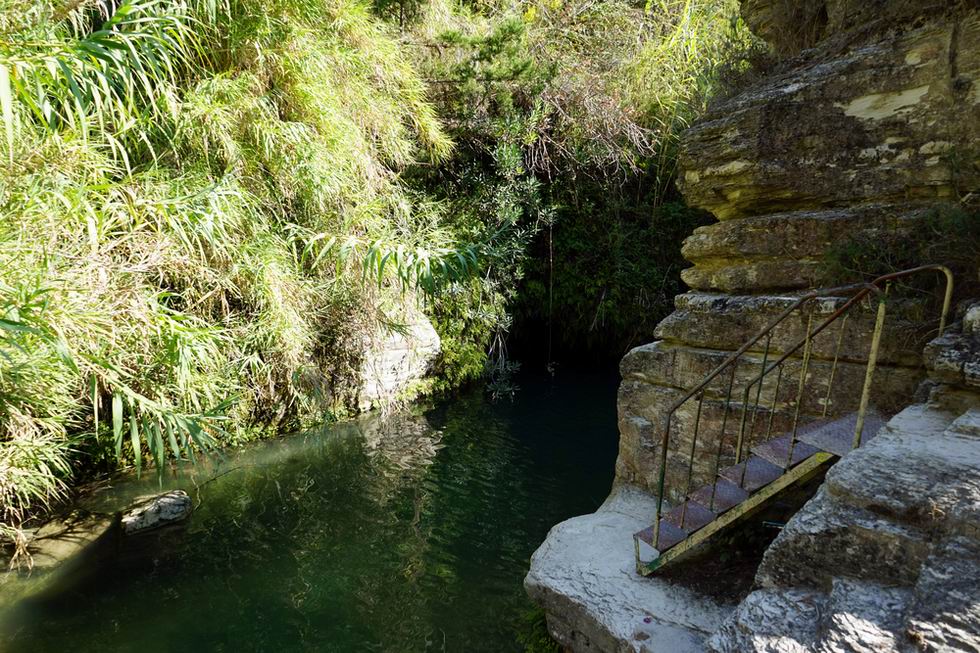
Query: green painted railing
(752, 393)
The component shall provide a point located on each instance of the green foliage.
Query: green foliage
(948, 236)
(605, 284)
(566, 119)
(209, 207)
(197, 197)
(533, 634)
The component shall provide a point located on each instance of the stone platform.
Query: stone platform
(584, 576)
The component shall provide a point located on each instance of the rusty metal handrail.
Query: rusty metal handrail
(861, 291)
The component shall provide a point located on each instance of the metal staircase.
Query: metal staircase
(767, 457)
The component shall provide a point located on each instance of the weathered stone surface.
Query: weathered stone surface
(716, 321)
(772, 621)
(946, 613)
(155, 512)
(585, 579)
(828, 538)
(668, 364)
(794, 26)
(864, 618)
(971, 320)
(783, 251)
(954, 358)
(856, 617)
(395, 358)
(869, 122)
(921, 469)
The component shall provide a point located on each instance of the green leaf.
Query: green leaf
(93, 385)
(7, 109)
(20, 327)
(117, 421)
(134, 438)
(171, 438)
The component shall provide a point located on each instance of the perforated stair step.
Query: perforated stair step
(836, 436)
(677, 524)
(669, 536)
(778, 451)
(726, 495)
(689, 516)
(757, 473)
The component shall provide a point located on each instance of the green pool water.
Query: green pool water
(406, 533)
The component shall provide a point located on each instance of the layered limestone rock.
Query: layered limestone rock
(871, 122)
(864, 133)
(584, 577)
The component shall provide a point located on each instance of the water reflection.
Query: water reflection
(410, 533)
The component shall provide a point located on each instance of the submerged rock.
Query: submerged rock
(161, 510)
(65, 538)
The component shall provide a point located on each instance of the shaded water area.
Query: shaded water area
(410, 533)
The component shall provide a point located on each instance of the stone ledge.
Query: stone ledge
(583, 575)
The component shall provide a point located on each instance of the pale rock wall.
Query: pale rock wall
(865, 132)
(397, 356)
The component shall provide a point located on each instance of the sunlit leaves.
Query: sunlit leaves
(416, 268)
(111, 78)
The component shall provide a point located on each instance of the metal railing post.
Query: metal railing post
(870, 372)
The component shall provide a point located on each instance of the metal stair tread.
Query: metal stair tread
(692, 514)
(837, 435)
(777, 451)
(726, 495)
(670, 535)
(758, 473)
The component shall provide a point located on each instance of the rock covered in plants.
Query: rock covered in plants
(397, 356)
(155, 512)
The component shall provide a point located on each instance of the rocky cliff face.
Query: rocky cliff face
(872, 122)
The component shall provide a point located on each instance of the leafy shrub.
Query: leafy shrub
(195, 195)
(207, 207)
(568, 116)
(947, 236)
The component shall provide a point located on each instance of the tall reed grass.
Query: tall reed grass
(197, 195)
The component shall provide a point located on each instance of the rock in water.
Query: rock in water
(157, 511)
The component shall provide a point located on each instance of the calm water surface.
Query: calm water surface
(411, 533)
